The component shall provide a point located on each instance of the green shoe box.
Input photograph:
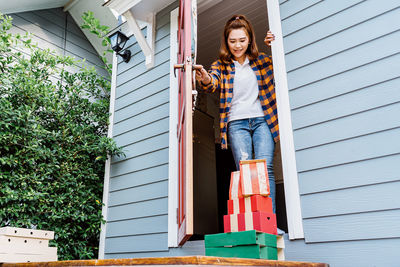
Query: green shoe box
(245, 244)
(245, 251)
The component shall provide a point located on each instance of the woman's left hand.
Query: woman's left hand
(269, 38)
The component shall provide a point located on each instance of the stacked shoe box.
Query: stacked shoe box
(26, 245)
(250, 229)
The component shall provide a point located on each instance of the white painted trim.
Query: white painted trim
(70, 4)
(151, 39)
(104, 210)
(290, 178)
(173, 140)
(147, 45)
(121, 6)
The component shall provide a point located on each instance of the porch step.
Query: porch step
(171, 261)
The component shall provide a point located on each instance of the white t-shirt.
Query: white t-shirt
(245, 102)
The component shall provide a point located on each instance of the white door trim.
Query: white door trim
(173, 140)
(290, 177)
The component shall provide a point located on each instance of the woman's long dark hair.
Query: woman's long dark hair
(237, 22)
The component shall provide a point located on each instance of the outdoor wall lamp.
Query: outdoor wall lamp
(118, 41)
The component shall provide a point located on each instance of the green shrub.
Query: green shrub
(53, 144)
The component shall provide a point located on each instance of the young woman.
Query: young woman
(248, 113)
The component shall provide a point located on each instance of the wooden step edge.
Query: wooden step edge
(186, 260)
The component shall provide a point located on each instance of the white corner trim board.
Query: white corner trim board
(290, 177)
(106, 188)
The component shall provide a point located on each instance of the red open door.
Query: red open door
(185, 141)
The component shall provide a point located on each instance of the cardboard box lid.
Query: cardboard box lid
(240, 238)
(24, 232)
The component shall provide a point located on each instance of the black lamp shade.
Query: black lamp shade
(118, 41)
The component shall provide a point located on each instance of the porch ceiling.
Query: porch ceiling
(7, 6)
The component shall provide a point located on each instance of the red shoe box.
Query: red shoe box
(235, 188)
(254, 177)
(259, 221)
(250, 204)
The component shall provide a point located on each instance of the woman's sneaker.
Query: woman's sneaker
(281, 232)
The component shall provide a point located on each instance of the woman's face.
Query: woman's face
(238, 41)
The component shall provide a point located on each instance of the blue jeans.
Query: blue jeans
(248, 134)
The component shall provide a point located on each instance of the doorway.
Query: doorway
(212, 166)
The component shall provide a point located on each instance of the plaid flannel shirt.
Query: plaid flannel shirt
(222, 77)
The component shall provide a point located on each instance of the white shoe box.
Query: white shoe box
(26, 245)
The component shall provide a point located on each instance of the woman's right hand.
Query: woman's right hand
(203, 76)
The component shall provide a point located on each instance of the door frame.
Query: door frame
(289, 169)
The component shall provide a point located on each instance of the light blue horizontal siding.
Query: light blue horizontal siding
(143, 80)
(351, 150)
(290, 8)
(329, 131)
(138, 195)
(355, 226)
(52, 30)
(356, 35)
(360, 173)
(143, 118)
(309, 16)
(150, 89)
(151, 144)
(46, 40)
(366, 10)
(141, 162)
(162, 43)
(190, 248)
(367, 198)
(158, 98)
(135, 135)
(138, 209)
(366, 253)
(146, 225)
(141, 177)
(366, 100)
(138, 243)
(161, 56)
(339, 63)
(73, 30)
(355, 79)
(342, 61)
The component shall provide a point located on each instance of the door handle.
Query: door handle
(178, 66)
(182, 66)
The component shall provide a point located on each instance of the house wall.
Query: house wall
(138, 192)
(342, 60)
(56, 30)
(137, 220)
